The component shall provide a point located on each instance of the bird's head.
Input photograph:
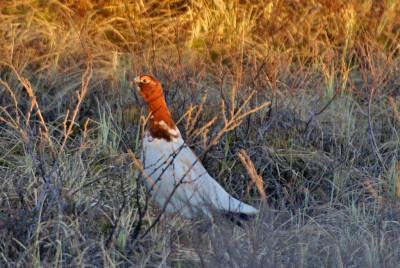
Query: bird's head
(149, 87)
(161, 123)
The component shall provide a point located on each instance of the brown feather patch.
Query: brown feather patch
(160, 120)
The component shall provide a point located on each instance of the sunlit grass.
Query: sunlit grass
(324, 155)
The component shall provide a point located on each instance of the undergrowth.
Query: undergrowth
(321, 160)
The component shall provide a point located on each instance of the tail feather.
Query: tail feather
(238, 218)
(237, 206)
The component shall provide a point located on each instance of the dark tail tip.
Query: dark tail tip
(237, 218)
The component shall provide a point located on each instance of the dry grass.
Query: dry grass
(326, 148)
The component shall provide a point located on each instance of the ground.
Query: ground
(292, 106)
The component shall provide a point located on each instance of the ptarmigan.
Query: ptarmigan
(175, 176)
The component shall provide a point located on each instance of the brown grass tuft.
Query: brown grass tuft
(307, 89)
(255, 178)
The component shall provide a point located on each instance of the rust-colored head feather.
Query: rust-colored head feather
(160, 119)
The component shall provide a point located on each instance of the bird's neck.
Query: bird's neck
(161, 122)
(161, 114)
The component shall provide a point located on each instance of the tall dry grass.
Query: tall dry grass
(324, 155)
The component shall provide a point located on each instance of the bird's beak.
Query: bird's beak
(136, 80)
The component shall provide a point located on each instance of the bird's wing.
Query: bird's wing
(200, 189)
(180, 178)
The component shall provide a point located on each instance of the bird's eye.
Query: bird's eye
(145, 80)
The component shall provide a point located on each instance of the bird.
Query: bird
(174, 174)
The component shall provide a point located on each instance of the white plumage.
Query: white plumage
(175, 176)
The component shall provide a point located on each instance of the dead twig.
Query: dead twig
(255, 178)
(395, 109)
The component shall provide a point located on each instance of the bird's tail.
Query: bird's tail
(237, 206)
(238, 218)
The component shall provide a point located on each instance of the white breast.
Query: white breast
(180, 183)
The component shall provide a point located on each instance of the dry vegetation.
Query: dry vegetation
(326, 148)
